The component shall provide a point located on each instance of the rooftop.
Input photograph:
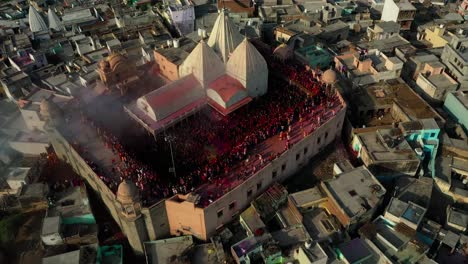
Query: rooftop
(167, 250)
(385, 94)
(357, 191)
(462, 96)
(178, 55)
(305, 197)
(358, 250)
(387, 145)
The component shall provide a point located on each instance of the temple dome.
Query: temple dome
(329, 77)
(36, 22)
(203, 63)
(249, 67)
(127, 192)
(283, 52)
(54, 20)
(224, 37)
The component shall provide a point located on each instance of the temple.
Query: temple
(226, 73)
(203, 146)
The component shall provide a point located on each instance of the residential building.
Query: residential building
(434, 83)
(451, 177)
(369, 68)
(355, 196)
(410, 202)
(183, 249)
(181, 14)
(228, 65)
(457, 219)
(463, 9)
(436, 36)
(69, 221)
(455, 57)
(396, 241)
(400, 11)
(383, 30)
(392, 152)
(360, 250)
(169, 59)
(456, 105)
(390, 102)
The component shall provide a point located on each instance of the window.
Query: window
(298, 156)
(432, 135)
(283, 167)
(232, 205)
(249, 193)
(352, 193)
(220, 213)
(274, 174)
(259, 185)
(326, 134)
(305, 150)
(318, 140)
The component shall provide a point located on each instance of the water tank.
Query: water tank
(200, 32)
(249, 23)
(203, 33)
(176, 43)
(169, 42)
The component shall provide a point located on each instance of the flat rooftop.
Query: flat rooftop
(462, 96)
(384, 94)
(356, 190)
(387, 145)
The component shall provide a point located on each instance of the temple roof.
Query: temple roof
(203, 63)
(225, 36)
(246, 61)
(36, 22)
(54, 20)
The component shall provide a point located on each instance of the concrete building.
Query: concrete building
(455, 57)
(451, 177)
(169, 59)
(463, 9)
(427, 75)
(436, 36)
(434, 83)
(457, 219)
(356, 194)
(456, 105)
(383, 30)
(392, 152)
(69, 221)
(390, 102)
(396, 241)
(400, 11)
(30, 107)
(196, 213)
(368, 68)
(410, 201)
(360, 250)
(181, 14)
(292, 240)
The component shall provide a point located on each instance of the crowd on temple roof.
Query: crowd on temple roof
(204, 153)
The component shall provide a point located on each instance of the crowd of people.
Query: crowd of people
(208, 146)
